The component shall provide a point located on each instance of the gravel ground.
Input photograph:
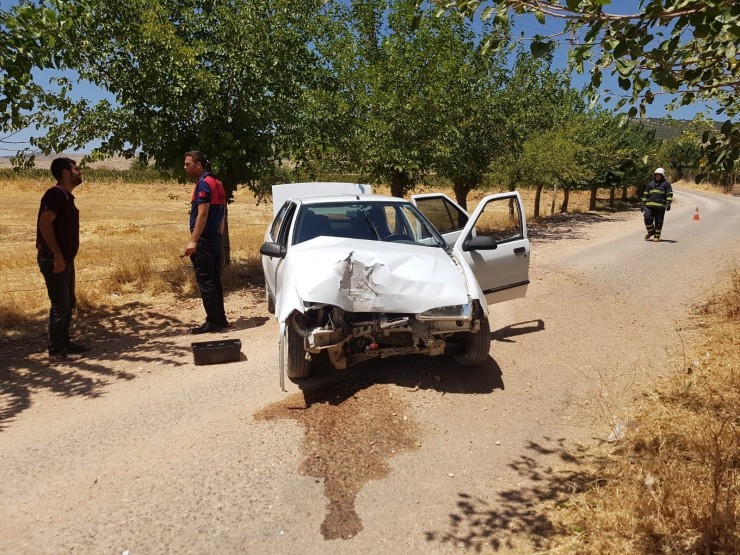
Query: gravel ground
(135, 449)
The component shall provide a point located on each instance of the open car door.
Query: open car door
(445, 214)
(494, 243)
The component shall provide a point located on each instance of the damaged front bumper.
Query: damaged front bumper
(351, 337)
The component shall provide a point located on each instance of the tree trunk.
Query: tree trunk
(592, 201)
(566, 198)
(537, 196)
(624, 193)
(400, 184)
(641, 191)
(554, 197)
(512, 188)
(461, 194)
(612, 192)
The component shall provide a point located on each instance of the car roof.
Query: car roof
(325, 199)
(286, 191)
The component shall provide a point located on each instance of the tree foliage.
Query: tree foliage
(687, 48)
(397, 82)
(535, 100)
(229, 77)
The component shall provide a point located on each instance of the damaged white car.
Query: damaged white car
(361, 276)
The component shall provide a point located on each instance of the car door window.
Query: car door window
(501, 220)
(278, 221)
(282, 235)
(445, 216)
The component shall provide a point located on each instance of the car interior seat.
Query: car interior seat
(312, 226)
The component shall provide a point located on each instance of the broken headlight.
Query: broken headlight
(454, 312)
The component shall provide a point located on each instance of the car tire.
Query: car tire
(270, 301)
(477, 346)
(296, 365)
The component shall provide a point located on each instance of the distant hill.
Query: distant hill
(666, 128)
(42, 161)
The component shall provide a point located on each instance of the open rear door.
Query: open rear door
(445, 214)
(494, 243)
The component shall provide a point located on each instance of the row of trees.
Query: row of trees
(367, 86)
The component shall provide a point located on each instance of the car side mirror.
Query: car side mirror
(273, 250)
(480, 243)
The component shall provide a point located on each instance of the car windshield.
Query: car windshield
(372, 221)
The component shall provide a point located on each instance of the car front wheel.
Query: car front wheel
(476, 347)
(296, 366)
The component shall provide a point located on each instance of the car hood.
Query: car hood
(369, 276)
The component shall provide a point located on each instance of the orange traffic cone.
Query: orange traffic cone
(696, 214)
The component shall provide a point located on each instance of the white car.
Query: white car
(363, 276)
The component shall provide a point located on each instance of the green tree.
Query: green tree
(535, 100)
(615, 152)
(681, 153)
(229, 77)
(688, 48)
(474, 114)
(396, 83)
(552, 160)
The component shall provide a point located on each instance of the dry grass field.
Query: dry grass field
(672, 484)
(131, 239)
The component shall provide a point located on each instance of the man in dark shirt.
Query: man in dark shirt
(207, 215)
(57, 242)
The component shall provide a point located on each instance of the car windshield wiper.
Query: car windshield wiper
(371, 224)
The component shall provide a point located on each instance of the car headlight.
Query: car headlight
(454, 312)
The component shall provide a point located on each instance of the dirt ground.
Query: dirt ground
(136, 449)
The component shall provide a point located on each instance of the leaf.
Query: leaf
(726, 128)
(540, 48)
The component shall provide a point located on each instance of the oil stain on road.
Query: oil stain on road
(352, 430)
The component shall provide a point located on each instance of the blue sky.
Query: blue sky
(527, 27)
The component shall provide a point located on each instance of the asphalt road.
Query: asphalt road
(137, 450)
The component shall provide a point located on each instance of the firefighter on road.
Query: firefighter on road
(655, 202)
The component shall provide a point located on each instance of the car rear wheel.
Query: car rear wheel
(477, 346)
(296, 365)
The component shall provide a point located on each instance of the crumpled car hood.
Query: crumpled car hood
(369, 276)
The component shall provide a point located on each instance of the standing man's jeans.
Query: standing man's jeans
(61, 289)
(207, 263)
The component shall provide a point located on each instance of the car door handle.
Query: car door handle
(519, 250)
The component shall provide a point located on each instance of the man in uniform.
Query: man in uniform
(207, 216)
(57, 243)
(655, 202)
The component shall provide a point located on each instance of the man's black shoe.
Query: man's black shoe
(76, 348)
(207, 327)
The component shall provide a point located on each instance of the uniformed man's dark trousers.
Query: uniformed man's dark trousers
(207, 263)
(61, 289)
(654, 216)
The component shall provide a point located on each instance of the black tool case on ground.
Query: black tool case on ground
(216, 352)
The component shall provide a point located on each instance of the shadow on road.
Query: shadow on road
(114, 335)
(518, 517)
(506, 333)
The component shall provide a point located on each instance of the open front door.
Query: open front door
(494, 243)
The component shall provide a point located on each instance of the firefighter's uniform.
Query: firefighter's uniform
(655, 201)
